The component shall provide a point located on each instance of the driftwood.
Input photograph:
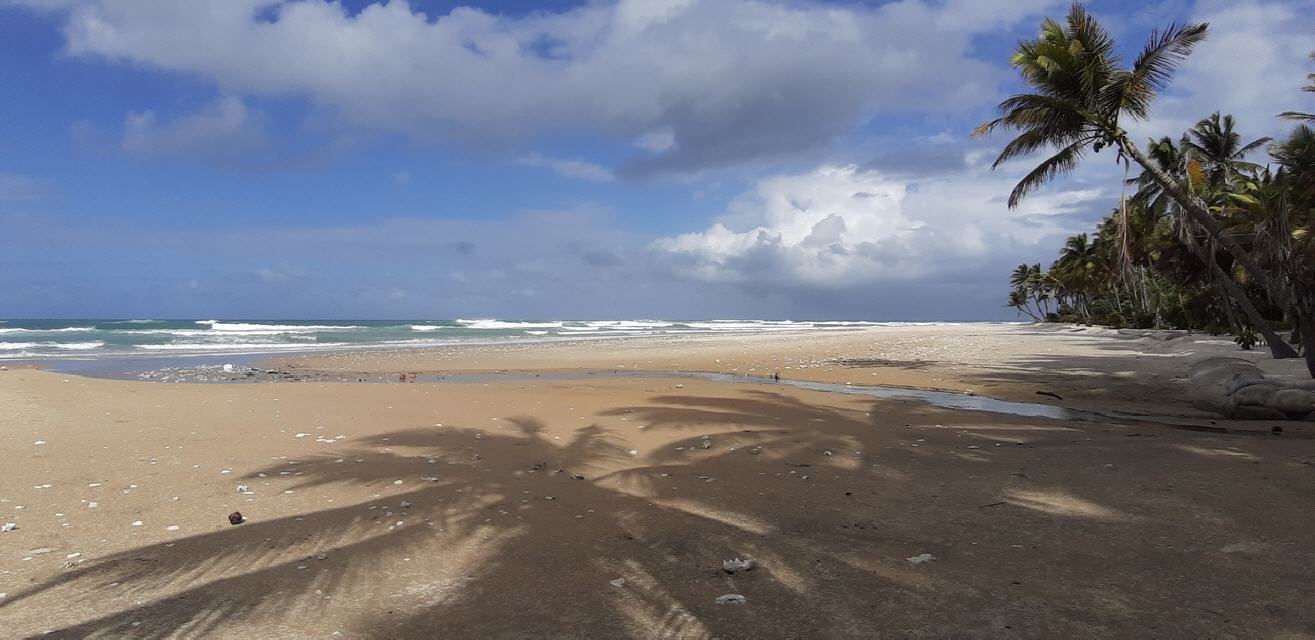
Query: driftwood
(1235, 388)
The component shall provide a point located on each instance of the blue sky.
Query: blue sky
(649, 158)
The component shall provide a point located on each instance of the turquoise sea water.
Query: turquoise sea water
(62, 339)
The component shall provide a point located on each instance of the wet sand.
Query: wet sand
(510, 508)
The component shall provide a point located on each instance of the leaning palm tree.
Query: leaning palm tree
(1172, 161)
(1018, 300)
(1297, 115)
(1295, 156)
(1082, 94)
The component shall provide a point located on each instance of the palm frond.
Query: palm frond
(1059, 164)
(1132, 91)
(1297, 115)
(1253, 146)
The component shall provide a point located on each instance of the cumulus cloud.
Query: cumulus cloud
(698, 83)
(225, 130)
(1252, 65)
(841, 227)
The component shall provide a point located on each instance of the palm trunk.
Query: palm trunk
(1227, 300)
(1306, 325)
(1307, 341)
(1277, 347)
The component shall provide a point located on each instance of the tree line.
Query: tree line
(1204, 238)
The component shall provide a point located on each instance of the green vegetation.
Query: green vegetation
(1204, 239)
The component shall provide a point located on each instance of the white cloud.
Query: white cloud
(1252, 65)
(731, 80)
(226, 128)
(569, 167)
(20, 188)
(840, 227)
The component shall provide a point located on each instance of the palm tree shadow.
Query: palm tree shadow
(528, 536)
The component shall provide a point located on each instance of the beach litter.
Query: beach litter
(921, 558)
(8, 526)
(731, 599)
(241, 488)
(736, 565)
(236, 518)
(619, 582)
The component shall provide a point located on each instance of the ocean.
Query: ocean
(85, 339)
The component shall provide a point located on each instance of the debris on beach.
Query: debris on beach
(736, 565)
(732, 599)
(236, 518)
(921, 558)
(8, 526)
(241, 488)
(619, 582)
(136, 523)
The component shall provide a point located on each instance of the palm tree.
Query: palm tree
(1297, 115)
(1018, 300)
(1295, 156)
(1214, 138)
(1074, 270)
(1218, 147)
(1031, 282)
(1082, 95)
(1171, 159)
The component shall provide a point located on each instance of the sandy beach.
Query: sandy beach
(598, 506)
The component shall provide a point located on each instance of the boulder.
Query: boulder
(1236, 388)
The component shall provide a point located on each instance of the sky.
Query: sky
(554, 159)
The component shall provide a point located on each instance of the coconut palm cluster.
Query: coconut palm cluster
(1214, 232)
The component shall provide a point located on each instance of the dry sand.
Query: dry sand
(509, 509)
